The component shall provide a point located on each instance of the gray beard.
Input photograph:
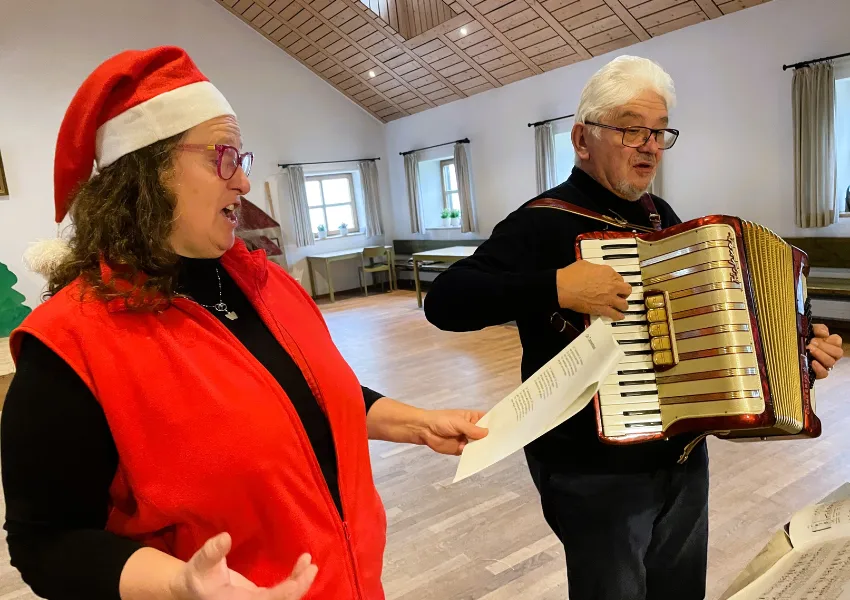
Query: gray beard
(631, 192)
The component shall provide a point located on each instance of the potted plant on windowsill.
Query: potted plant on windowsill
(455, 216)
(323, 233)
(343, 229)
(444, 217)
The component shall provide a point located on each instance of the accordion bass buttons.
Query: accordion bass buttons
(662, 338)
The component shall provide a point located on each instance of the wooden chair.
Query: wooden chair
(375, 259)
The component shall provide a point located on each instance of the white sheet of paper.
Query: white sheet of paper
(821, 572)
(559, 390)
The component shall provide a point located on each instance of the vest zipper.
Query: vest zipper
(266, 317)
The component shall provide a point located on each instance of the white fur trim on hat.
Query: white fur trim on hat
(159, 118)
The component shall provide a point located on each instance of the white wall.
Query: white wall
(286, 112)
(735, 152)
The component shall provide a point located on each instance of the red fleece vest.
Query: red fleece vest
(209, 442)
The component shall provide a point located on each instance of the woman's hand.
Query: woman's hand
(448, 431)
(206, 577)
(825, 349)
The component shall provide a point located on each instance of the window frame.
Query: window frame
(353, 227)
(444, 184)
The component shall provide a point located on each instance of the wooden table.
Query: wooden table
(445, 255)
(339, 255)
(7, 369)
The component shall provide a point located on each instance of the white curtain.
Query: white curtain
(300, 209)
(468, 221)
(544, 154)
(411, 172)
(814, 146)
(369, 176)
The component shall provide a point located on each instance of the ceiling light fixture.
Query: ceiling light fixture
(463, 30)
(371, 73)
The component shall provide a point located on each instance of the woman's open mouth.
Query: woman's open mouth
(229, 213)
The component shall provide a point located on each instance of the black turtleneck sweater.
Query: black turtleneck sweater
(511, 277)
(59, 457)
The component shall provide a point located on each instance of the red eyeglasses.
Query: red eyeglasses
(228, 160)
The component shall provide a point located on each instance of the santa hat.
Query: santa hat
(130, 101)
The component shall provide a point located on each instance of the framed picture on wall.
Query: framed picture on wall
(4, 189)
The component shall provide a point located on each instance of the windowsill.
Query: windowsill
(340, 237)
(441, 228)
(844, 215)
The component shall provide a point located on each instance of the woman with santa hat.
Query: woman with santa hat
(181, 424)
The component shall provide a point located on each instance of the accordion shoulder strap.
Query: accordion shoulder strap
(584, 212)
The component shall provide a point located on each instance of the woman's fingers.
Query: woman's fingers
(298, 583)
(211, 553)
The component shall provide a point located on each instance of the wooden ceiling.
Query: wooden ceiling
(399, 57)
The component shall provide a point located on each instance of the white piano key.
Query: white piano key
(620, 403)
(617, 263)
(609, 408)
(621, 430)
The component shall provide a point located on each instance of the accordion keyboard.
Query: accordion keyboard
(628, 399)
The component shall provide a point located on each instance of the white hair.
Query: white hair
(619, 82)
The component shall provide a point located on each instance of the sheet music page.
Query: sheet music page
(559, 390)
(820, 572)
(819, 523)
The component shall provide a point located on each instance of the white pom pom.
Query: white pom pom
(44, 256)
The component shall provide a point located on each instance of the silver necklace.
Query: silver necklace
(220, 306)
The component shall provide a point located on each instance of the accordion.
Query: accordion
(715, 335)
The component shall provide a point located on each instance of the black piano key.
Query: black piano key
(646, 424)
(637, 341)
(635, 312)
(637, 413)
(644, 382)
(635, 371)
(642, 393)
(618, 246)
(628, 323)
(637, 352)
(635, 302)
(630, 273)
(619, 256)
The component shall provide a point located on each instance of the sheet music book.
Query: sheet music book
(818, 564)
(556, 392)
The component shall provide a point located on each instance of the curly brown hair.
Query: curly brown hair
(124, 216)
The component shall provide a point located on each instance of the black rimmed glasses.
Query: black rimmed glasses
(635, 137)
(228, 160)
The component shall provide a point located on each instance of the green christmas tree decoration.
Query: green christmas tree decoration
(12, 308)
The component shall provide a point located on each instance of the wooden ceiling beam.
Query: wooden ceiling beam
(710, 9)
(318, 15)
(500, 36)
(559, 29)
(304, 38)
(629, 20)
(481, 70)
(369, 15)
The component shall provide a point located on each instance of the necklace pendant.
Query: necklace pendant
(220, 307)
(231, 315)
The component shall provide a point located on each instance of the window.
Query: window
(451, 198)
(331, 202)
(842, 137)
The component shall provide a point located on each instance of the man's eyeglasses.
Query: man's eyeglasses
(635, 137)
(228, 160)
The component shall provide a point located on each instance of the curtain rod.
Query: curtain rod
(463, 141)
(806, 63)
(324, 162)
(549, 120)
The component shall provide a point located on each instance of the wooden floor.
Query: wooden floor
(485, 538)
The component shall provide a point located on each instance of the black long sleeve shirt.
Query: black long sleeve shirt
(59, 457)
(511, 277)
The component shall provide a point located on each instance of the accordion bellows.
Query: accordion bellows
(715, 337)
